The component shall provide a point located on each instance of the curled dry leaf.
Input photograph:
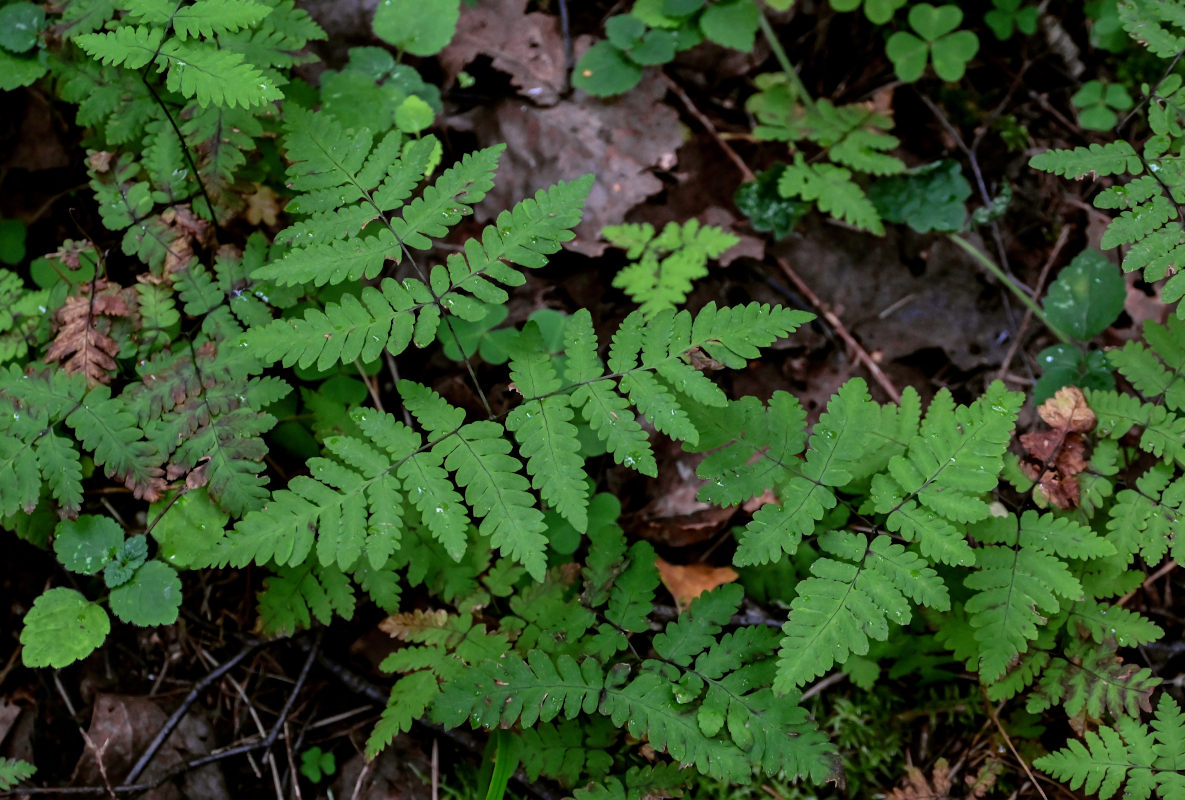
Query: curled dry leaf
(82, 343)
(687, 582)
(918, 788)
(1053, 458)
(407, 624)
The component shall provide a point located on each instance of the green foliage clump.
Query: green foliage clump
(663, 267)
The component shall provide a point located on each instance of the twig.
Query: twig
(784, 61)
(1011, 285)
(823, 685)
(862, 355)
(995, 717)
(710, 127)
(1024, 322)
(1168, 567)
(172, 722)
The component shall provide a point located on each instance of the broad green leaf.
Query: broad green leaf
(419, 27)
(732, 24)
(928, 198)
(604, 70)
(87, 544)
(62, 627)
(20, 24)
(151, 597)
(1087, 296)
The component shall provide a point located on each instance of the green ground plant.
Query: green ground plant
(905, 539)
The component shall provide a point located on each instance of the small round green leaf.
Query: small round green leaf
(419, 27)
(61, 628)
(20, 23)
(681, 8)
(732, 24)
(413, 115)
(656, 47)
(604, 70)
(17, 71)
(624, 30)
(881, 11)
(131, 554)
(12, 241)
(151, 597)
(86, 545)
(1087, 296)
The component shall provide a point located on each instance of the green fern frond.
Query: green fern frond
(1146, 760)
(545, 433)
(832, 189)
(850, 601)
(13, 771)
(663, 267)
(1019, 581)
(1091, 682)
(1152, 23)
(294, 596)
(838, 443)
(1112, 158)
(202, 18)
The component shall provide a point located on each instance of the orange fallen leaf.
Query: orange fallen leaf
(687, 582)
(1054, 458)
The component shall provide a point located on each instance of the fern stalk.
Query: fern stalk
(1028, 302)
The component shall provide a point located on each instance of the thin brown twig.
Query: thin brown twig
(1165, 569)
(1024, 321)
(861, 354)
(710, 127)
(993, 713)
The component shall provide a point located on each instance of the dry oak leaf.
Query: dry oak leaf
(1053, 458)
(687, 582)
(82, 343)
(407, 624)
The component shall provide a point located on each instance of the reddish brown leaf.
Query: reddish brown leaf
(82, 343)
(1054, 457)
(687, 582)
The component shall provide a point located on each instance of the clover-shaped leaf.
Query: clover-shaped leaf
(1008, 15)
(936, 41)
(61, 628)
(1097, 103)
(878, 11)
(151, 597)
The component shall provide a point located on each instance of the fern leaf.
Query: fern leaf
(58, 461)
(1112, 158)
(212, 76)
(479, 455)
(1147, 760)
(211, 17)
(1013, 589)
(696, 629)
(759, 446)
(128, 46)
(846, 603)
(606, 411)
(832, 189)
(1103, 622)
(411, 697)
(108, 429)
(1136, 223)
(442, 204)
(838, 443)
(293, 597)
(13, 771)
(545, 433)
(1150, 24)
(1091, 682)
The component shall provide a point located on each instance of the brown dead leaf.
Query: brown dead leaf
(406, 625)
(122, 726)
(1068, 410)
(1053, 458)
(527, 47)
(8, 715)
(82, 343)
(687, 582)
(262, 205)
(918, 788)
(620, 140)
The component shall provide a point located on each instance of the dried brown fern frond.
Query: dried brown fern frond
(82, 342)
